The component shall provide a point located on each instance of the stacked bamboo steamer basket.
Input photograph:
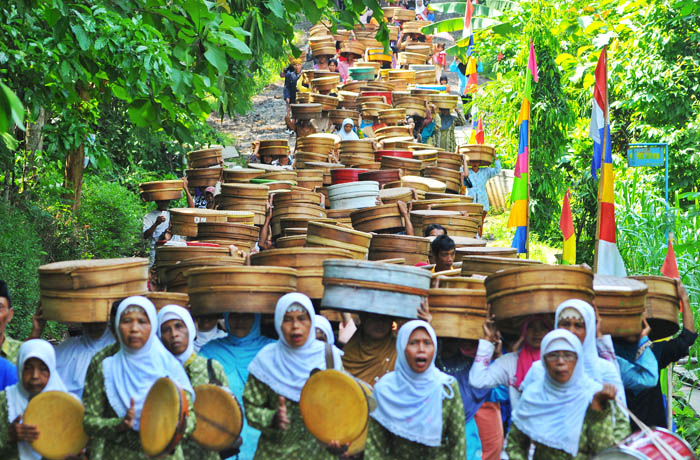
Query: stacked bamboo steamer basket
(444, 101)
(488, 265)
(241, 175)
(83, 291)
(491, 251)
(320, 234)
(241, 235)
(393, 131)
(323, 48)
(245, 197)
(415, 106)
(449, 160)
(184, 221)
(620, 302)
(161, 190)
(306, 111)
(392, 195)
(161, 298)
(402, 74)
(325, 84)
(382, 176)
(354, 152)
(426, 77)
(295, 209)
(479, 153)
(392, 117)
(398, 14)
(205, 167)
(538, 289)
(450, 177)
(413, 249)
(310, 179)
(173, 274)
(169, 256)
(274, 147)
(406, 166)
(323, 166)
(432, 185)
(353, 47)
(238, 289)
(306, 261)
(455, 223)
(315, 144)
(339, 114)
(662, 305)
(347, 99)
(327, 102)
(458, 312)
(380, 219)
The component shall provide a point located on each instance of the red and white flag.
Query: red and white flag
(468, 13)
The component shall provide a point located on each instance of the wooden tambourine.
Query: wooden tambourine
(163, 418)
(335, 406)
(56, 440)
(219, 417)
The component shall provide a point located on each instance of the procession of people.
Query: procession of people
(440, 370)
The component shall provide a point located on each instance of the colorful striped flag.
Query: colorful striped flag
(472, 135)
(566, 224)
(608, 260)
(479, 136)
(519, 196)
(467, 30)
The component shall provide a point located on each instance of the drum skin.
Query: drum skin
(162, 418)
(56, 440)
(219, 417)
(334, 407)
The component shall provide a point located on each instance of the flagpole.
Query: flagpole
(529, 148)
(602, 164)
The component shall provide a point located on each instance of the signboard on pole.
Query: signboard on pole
(646, 155)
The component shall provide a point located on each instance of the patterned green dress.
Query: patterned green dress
(597, 434)
(446, 139)
(101, 422)
(294, 443)
(196, 368)
(8, 448)
(384, 445)
(10, 349)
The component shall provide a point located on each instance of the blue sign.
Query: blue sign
(646, 155)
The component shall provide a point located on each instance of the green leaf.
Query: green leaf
(276, 7)
(16, 110)
(120, 92)
(457, 24)
(460, 8)
(81, 36)
(232, 43)
(141, 113)
(216, 57)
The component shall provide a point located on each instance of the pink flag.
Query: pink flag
(532, 62)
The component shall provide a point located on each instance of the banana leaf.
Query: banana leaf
(456, 24)
(460, 7)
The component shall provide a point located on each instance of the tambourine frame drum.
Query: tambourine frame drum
(219, 417)
(163, 418)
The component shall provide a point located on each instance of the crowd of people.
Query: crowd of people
(553, 395)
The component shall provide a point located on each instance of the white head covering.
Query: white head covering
(73, 357)
(420, 10)
(283, 368)
(131, 373)
(552, 413)
(409, 404)
(18, 396)
(323, 325)
(170, 312)
(204, 337)
(352, 135)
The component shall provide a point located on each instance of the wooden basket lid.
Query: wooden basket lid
(433, 184)
(334, 407)
(488, 251)
(57, 440)
(298, 257)
(486, 265)
(90, 273)
(219, 417)
(160, 416)
(162, 298)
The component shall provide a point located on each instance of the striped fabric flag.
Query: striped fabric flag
(519, 196)
(479, 136)
(467, 29)
(608, 258)
(670, 265)
(472, 136)
(566, 224)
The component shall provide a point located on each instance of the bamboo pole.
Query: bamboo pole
(529, 150)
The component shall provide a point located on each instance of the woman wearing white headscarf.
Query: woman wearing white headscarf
(347, 131)
(419, 410)
(36, 369)
(176, 330)
(564, 412)
(73, 355)
(115, 394)
(579, 318)
(277, 375)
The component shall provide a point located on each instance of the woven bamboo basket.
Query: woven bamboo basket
(458, 313)
(294, 210)
(392, 195)
(241, 174)
(460, 282)
(453, 222)
(352, 47)
(205, 158)
(307, 261)
(488, 265)
(620, 302)
(306, 111)
(161, 190)
(327, 102)
(406, 166)
(184, 220)
(320, 234)
(161, 299)
(295, 241)
(207, 177)
(338, 115)
(662, 305)
(238, 289)
(93, 273)
(413, 249)
(174, 274)
(491, 251)
(483, 155)
(526, 291)
(241, 235)
(380, 219)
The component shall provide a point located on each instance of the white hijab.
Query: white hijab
(18, 396)
(596, 368)
(170, 312)
(552, 413)
(73, 357)
(352, 135)
(420, 10)
(283, 368)
(409, 404)
(131, 373)
(204, 337)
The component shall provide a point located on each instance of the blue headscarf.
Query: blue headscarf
(409, 404)
(236, 353)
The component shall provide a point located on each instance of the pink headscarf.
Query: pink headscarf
(528, 353)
